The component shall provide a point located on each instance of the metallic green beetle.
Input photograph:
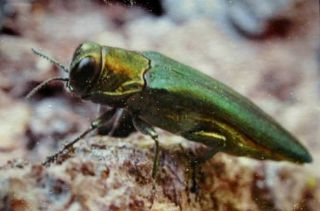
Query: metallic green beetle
(158, 91)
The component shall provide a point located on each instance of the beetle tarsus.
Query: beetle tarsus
(54, 157)
(156, 158)
(195, 168)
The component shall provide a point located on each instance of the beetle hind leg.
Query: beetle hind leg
(215, 141)
(196, 164)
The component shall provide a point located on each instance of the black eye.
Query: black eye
(84, 72)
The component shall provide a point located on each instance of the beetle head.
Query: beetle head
(96, 70)
(106, 75)
(85, 68)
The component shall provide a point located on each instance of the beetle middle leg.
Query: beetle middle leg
(94, 125)
(147, 129)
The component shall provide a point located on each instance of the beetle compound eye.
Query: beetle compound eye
(83, 73)
(85, 69)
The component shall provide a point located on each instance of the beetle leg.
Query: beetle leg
(208, 138)
(196, 164)
(119, 125)
(216, 142)
(94, 125)
(147, 129)
(117, 117)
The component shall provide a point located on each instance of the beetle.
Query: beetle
(153, 90)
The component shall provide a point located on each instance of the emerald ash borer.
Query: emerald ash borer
(148, 90)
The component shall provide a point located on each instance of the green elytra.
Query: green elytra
(158, 91)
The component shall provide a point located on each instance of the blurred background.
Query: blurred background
(268, 50)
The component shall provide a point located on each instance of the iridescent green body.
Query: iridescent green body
(177, 98)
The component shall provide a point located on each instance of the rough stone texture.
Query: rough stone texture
(278, 71)
(109, 174)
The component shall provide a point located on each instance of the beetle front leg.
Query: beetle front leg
(147, 129)
(94, 125)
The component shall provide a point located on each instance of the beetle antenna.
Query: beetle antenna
(37, 88)
(53, 61)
